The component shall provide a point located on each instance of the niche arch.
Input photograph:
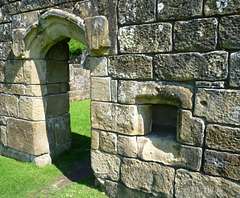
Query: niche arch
(39, 50)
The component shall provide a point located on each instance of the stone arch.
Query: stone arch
(38, 109)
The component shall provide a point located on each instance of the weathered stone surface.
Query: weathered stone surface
(36, 90)
(130, 67)
(97, 35)
(15, 89)
(136, 11)
(234, 80)
(208, 84)
(11, 8)
(3, 120)
(218, 105)
(8, 105)
(190, 130)
(114, 90)
(14, 71)
(106, 8)
(5, 32)
(64, 87)
(18, 45)
(57, 71)
(94, 139)
(101, 88)
(32, 108)
(148, 177)
(181, 9)
(57, 104)
(59, 133)
(127, 146)
(24, 20)
(133, 92)
(229, 30)
(195, 35)
(108, 142)
(27, 5)
(105, 165)
(5, 49)
(43, 160)
(53, 88)
(99, 66)
(149, 38)
(4, 17)
(3, 135)
(31, 137)
(192, 184)
(35, 71)
(164, 149)
(221, 7)
(116, 190)
(222, 164)
(2, 75)
(124, 119)
(223, 138)
(191, 66)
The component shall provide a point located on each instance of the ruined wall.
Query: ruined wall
(165, 107)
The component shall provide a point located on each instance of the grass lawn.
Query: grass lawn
(21, 179)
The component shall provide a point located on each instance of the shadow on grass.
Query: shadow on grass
(75, 163)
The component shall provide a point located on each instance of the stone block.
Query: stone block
(8, 105)
(32, 108)
(191, 66)
(57, 71)
(36, 90)
(166, 150)
(190, 130)
(27, 5)
(108, 142)
(127, 146)
(221, 7)
(101, 89)
(183, 9)
(130, 67)
(3, 120)
(105, 165)
(57, 104)
(24, 20)
(124, 119)
(11, 8)
(114, 90)
(208, 84)
(14, 71)
(223, 138)
(2, 75)
(94, 139)
(234, 80)
(148, 177)
(136, 11)
(149, 38)
(53, 88)
(5, 32)
(16, 89)
(133, 92)
(64, 87)
(192, 184)
(4, 17)
(195, 35)
(35, 71)
(31, 137)
(43, 160)
(18, 46)
(222, 164)
(218, 105)
(99, 66)
(97, 35)
(3, 135)
(5, 50)
(229, 30)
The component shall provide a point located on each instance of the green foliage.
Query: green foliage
(75, 47)
(20, 179)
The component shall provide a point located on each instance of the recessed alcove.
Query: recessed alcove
(164, 120)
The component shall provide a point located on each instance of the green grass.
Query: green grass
(21, 179)
(75, 47)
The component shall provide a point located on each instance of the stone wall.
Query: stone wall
(165, 91)
(79, 78)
